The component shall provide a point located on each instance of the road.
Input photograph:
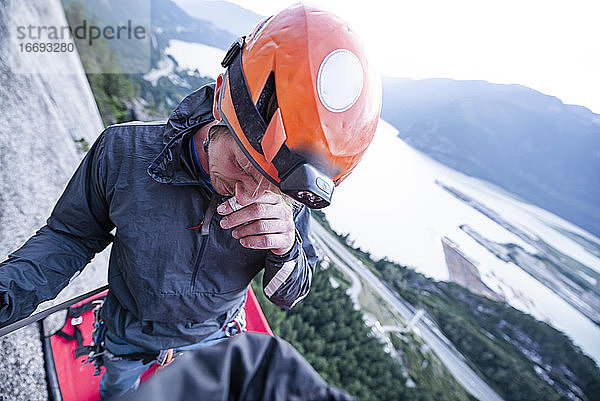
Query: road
(424, 328)
(356, 286)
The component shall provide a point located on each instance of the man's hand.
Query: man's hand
(268, 223)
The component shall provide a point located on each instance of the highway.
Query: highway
(356, 286)
(424, 327)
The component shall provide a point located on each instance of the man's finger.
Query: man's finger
(256, 211)
(259, 227)
(268, 241)
(231, 205)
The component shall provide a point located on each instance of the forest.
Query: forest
(333, 338)
(515, 353)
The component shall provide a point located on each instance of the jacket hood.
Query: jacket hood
(193, 112)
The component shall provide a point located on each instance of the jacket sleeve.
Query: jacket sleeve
(78, 228)
(288, 277)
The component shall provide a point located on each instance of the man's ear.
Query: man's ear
(218, 87)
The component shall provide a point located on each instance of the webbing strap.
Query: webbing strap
(145, 357)
(80, 310)
(75, 336)
(250, 120)
(252, 123)
(81, 349)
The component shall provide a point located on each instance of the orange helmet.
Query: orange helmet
(328, 101)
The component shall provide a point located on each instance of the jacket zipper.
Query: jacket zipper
(197, 262)
(205, 230)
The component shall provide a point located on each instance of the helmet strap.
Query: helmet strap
(251, 122)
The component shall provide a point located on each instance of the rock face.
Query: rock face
(41, 117)
(462, 271)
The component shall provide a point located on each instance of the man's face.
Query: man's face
(231, 173)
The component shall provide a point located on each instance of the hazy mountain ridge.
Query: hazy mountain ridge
(223, 14)
(529, 143)
(174, 23)
(155, 92)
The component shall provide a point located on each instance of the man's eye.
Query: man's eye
(238, 166)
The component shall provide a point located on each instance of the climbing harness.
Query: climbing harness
(97, 350)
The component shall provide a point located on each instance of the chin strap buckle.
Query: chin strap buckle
(233, 51)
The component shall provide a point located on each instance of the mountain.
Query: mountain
(142, 81)
(222, 14)
(528, 143)
(171, 22)
(165, 19)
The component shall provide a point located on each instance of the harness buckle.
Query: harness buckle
(165, 357)
(237, 325)
(97, 349)
(232, 328)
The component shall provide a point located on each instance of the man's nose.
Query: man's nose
(247, 194)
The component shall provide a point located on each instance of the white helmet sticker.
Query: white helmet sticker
(340, 80)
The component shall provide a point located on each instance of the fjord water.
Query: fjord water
(393, 205)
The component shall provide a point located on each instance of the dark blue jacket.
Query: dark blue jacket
(169, 285)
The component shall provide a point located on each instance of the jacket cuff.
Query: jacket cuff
(289, 255)
(6, 308)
